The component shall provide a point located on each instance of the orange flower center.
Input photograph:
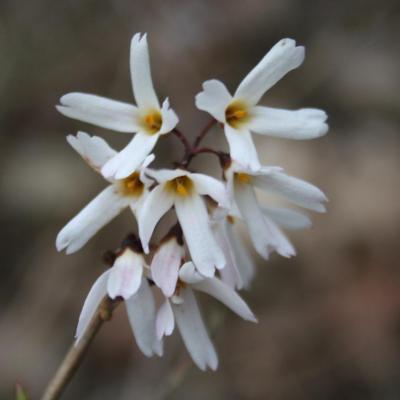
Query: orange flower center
(132, 185)
(236, 113)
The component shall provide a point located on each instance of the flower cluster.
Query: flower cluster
(202, 251)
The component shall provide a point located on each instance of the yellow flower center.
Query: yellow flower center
(152, 122)
(236, 113)
(230, 219)
(132, 185)
(182, 186)
(241, 177)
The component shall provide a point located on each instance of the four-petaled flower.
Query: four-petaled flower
(241, 115)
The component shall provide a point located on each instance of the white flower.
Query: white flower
(264, 233)
(182, 308)
(183, 190)
(128, 192)
(148, 120)
(241, 115)
(126, 279)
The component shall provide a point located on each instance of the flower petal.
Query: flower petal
(193, 331)
(287, 218)
(282, 244)
(242, 148)
(102, 209)
(193, 218)
(157, 203)
(165, 266)
(125, 275)
(96, 294)
(188, 273)
(129, 158)
(93, 149)
(141, 310)
(169, 118)
(295, 190)
(164, 175)
(100, 111)
(207, 185)
(165, 321)
(142, 83)
(260, 233)
(282, 58)
(214, 99)
(306, 123)
(226, 295)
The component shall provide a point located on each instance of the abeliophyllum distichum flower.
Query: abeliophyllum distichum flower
(203, 250)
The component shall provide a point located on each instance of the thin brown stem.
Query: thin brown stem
(78, 350)
(204, 132)
(182, 137)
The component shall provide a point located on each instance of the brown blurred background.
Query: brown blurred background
(329, 319)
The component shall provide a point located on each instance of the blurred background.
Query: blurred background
(329, 319)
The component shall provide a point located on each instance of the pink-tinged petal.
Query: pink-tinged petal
(244, 260)
(230, 273)
(165, 322)
(131, 157)
(287, 218)
(282, 58)
(125, 275)
(96, 294)
(93, 149)
(207, 185)
(141, 309)
(101, 210)
(226, 295)
(156, 204)
(165, 265)
(193, 218)
(295, 190)
(100, 111)
(169, 118)
(242, 147)
(188, 273)
(142, 83)
(193, 332)
(306, 123)
(260, 233)
(214, 99)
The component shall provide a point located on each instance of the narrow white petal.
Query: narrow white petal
(142, 83)
(242, 147)
(93, 149)
(295, 190)
(157, 203)
(207, 185)
(165, 321)
(164, 175)
(194, 333)
(282, 58)
(193, 218)
(93, 299)
(141, 310)
(188, 273)
(100, 111)
(260, 233)
(230, 273)
(102, 209)
(282, 245)
(226, 295)
(169, 118)
(125, 275)
(165, 265)
(244, 260)
(287, 218)
(214, 99)
(129, 159)
(306, 123)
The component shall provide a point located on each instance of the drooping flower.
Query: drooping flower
(126, 279)
(182, 308)
(148, 120)
(183, 190)
(241, 115)
(265, 234)
(120, 194)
